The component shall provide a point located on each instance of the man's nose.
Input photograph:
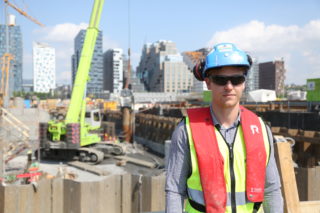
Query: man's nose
(229, 85)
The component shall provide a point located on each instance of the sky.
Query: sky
(267, 30)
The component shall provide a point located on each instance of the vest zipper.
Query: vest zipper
(233, 181)
(232, 176)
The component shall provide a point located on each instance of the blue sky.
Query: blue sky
(268, 30)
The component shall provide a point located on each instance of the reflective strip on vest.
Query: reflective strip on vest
(194, 182)
(197, 196)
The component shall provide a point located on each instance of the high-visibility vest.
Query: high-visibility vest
(226, 178)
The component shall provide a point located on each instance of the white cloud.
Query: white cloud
(298, 45)
(61, 37)
(65, 32)
(108, 43)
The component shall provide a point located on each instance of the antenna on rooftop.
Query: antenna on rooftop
(127, 83)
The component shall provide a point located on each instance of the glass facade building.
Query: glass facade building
(252, 80)
(95, 83)
(14, 42)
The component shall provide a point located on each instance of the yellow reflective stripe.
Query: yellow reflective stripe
(241, 198)
(194, 180)
(196, 196)
(239, 161)
(224, 150)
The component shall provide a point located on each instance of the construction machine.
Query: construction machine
(73, 138)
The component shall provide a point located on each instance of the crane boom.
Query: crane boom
(23, 13)
(78, 91)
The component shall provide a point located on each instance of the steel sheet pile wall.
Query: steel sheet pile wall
(24, 199)
(114, 116)
(117, 193)
(294, 120)
(148, 127)
(155, 128)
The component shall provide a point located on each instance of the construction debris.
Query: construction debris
(88, 168)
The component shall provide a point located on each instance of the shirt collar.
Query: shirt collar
(218, 125)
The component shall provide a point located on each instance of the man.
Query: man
(221, 157)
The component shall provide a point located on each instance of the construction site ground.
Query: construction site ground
(141, 162)
(131, 183)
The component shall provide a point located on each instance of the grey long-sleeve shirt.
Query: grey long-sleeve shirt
(179, 169)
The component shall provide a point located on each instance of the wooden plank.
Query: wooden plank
(283, 156)
(310, 206)
(309, 134)
(306, 146)
(136, 161)
(88, 168)
(293, 132)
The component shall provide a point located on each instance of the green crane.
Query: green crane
(72, 137)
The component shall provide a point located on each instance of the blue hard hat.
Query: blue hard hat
(226, 54)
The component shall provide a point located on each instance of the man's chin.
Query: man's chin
(229, 104)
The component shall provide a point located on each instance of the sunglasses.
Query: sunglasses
(223, 79)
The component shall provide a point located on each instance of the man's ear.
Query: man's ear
(208, 83)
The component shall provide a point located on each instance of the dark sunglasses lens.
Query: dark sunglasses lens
(219, 80)
(236, 80)
(223, 80)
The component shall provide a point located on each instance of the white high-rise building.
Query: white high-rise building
(44, 67)
(113, 70)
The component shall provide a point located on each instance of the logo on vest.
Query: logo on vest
(254, 129)
(256, 190)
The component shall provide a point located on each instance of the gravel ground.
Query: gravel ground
(55, 168)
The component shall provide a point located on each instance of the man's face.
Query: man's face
(225, 93)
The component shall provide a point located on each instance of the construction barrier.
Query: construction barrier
(147, 126)
(117, 193)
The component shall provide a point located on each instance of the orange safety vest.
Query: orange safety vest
(210, 160)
